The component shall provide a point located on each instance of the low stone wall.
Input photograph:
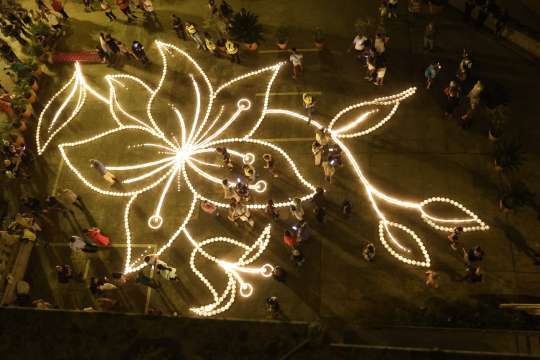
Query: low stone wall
(517, 37)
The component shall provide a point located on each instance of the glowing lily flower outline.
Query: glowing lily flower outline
(181, 153)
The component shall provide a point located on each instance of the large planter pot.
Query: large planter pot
(498, 167)
(493, 137)
(282, 46)
(251, 46)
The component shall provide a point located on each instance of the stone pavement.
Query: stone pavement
(418, 154)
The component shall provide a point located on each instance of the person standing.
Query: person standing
(107, 9)
(166, 271)
(149, 12)
(194, 34)
(271, 210)
(144, 280)
(431, 73)
(76, 243)
(329, 170)
(309, 105)
(369, 252)
(380, 42)
(474, 101)
(359, 45)
(59, 8)
(123, 5)
(453, 237)
(210, 44)
(473, 255)
(452, 93)
(297, 209)
(297, 61)
(67, 197)
(289, 239)
(297, 257)
(179, 27)
(380, 69)
(392, 9)
(429, 37)
(465, 67)
(317, 150)
(414, 7)
(232, 51)
(102, 170)
(432, 279)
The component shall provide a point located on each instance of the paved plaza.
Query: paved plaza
(418, 154)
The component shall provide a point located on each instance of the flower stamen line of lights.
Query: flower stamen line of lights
(183, 154)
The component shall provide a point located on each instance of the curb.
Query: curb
(518, 38)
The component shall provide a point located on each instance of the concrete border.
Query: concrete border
(518, 38)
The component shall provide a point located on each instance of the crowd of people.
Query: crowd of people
(19, 24)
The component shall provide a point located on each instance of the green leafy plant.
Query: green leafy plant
(282, 35)
(508, 156)
(34, 49)
(5, 126)
(23, 89)
(245, 27)
(516, 195)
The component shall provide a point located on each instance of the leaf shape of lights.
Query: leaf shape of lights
(51, 121)
(382, 109)
(470, 223)
(390, 242)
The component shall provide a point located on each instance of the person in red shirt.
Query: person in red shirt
(289, 239)
(59, 8)
(97, 236)
(123, 5)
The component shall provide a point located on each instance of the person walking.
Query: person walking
(453, 237)
(102, 170)
(232, 51)
(309, 105)
(105, 47)
(210, 44)
(431, 73)
(432, 279)
(124, 7)
(380, 69)
(138, 50)
(166, 271)
(465, 67)
(452, 93)
(329, 170)
(107, 9)
(272, 305)
(271, 210)
(473, 255)
(179, 27)
(346, 209)
(392, 9)
(474, 101)
(97, 236)
(368, 253)
(317, 150)
(289, 239)
(414, 7)
(429, 36)
(194, 34)
(150, 13)
(59, 8)
(359, 46)
(380, 42)
(68, 198)
(297, 210)
(297, 257)
(297, 61)
(77, 244)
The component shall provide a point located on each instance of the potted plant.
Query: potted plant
(245, 28)
(514, 196)
(319, 38)
(497, 118)
(282, 37)
(22, 107)
(508, 156)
